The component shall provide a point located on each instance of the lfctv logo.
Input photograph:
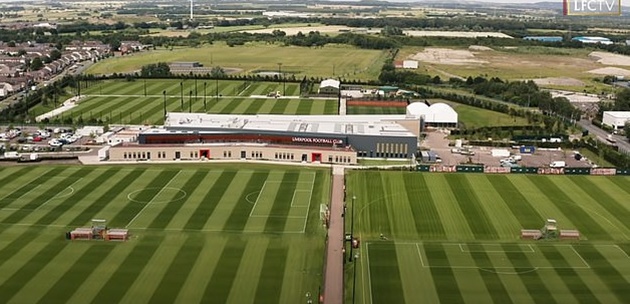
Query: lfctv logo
(592, 7)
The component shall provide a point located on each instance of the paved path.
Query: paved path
(333, 284)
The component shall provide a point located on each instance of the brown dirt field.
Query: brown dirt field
(366, 103)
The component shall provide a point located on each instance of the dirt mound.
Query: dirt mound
(610, 58)
(560, 81)
(447, 56)
(611, 71)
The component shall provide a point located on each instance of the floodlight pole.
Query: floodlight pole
(181, 95)
(354, 277)
(145, 88)
(279, 71)
(217, 96)
(190, 102)
(204, 97)
(164, 94)
(352, 227)
(195, 87)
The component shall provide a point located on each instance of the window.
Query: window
(148, 155)
(124, 154)
(144, 155)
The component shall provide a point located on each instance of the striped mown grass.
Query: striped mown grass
(125, 102)
(192, 241)
(455, 238)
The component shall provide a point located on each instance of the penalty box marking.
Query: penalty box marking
(425, 265)
(295, 192)
(466, 249)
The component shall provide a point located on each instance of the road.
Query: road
(333, 278)
(601, 135)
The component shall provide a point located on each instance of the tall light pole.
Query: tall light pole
(354, 276)
(190, 102)
(145, 88)
(195, 87)
(352, 227)
(181, 95)
(204, 97)
(281, 78)
(164, 94)
(217, 96)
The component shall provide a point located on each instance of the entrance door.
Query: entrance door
(304, 158)
(204, 153)
(243, 154)
(316, 157)
(178, 155)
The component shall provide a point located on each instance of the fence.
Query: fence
(524, 170)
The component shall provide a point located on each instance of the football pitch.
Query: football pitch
(124, 102)
(455, 238)
(199, 234)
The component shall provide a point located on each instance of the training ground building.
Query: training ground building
(291, 138)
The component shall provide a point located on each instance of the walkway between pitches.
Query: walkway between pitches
(333, 284)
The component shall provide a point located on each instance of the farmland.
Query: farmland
(199, 234)
(327, 61)
(542, 64)
(454, 238)
(125, 102)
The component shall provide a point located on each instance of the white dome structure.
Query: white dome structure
(417, 109)
(438, 114)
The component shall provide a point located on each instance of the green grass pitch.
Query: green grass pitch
(454, 238)
(200, 234)
(124, 102)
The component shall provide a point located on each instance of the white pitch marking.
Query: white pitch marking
(149, 203)
(580, 256)
(57, 195)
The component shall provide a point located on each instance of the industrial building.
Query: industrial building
(592, 40)
(292, 138)
(544, 38)
(616, 119)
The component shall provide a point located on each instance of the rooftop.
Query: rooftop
(384, 125)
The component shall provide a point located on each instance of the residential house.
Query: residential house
(6, 89)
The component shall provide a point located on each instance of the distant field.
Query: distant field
(516, 64)
(454, 238)
(328, 61)
(124, 102)
(200, 234)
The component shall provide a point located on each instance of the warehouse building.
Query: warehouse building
(616, 119)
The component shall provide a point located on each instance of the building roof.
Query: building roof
(593, 39)
(436, 113)
(374, 125)
(334, 83)
(618, 114)
(544, 38)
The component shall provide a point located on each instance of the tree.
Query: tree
(217, 72)
(36, 64)
(160, 69)
(626, 129)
